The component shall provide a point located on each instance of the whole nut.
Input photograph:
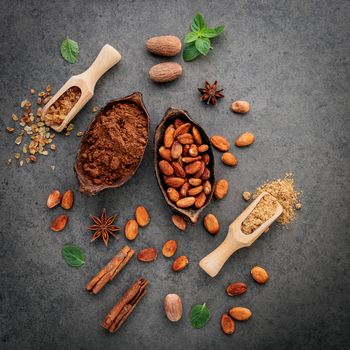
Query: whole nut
(206, 174)
(182, 129)
(184, 189)
(200, 200)
(193, 151)
(67, 200)
(169, 136)
(229, 159)
(200, 172)
(178, 170)
(240, 313)
(211, 224)
(180, 263)
(186, 150)
(147, 255)
(227, 324)
(246, 139)
(173, 307)
(169, 248)
(194, 167)
(221, 189)
(179, 222)
(173, 194)
(142, 216)
(206, 158)
(166, 168)
(175, 182)
(176, 150)
(188, 160)
(185, 139)
(259, 274)
(237, 288)
(185, 202)
(165, 45)
(165, 72)
(195, 190)
(194, 182)
(131, 229)
(240, 107)
(178, 123)
(220, 143)
(59, 223)
(53, 199)
(207, 187)
(202, 148)
(165, 153)
(196, 136)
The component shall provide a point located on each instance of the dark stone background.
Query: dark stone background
(290, 59)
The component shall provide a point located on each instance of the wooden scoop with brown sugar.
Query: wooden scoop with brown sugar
(236, 239)
(78, 90)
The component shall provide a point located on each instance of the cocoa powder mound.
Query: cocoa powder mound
(115, 144)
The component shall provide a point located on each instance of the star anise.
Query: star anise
(210, 94)
(103, 227)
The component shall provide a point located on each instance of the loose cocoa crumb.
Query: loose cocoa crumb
(246, 196)
(284, 192)
(115, 144)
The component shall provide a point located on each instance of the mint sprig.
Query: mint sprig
(197, 42)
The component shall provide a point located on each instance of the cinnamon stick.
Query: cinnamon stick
(108, 272)
(121, 311)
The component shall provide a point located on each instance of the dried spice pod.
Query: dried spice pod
(112, 167)
(179, 119)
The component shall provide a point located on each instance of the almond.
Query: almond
(193, 151)
(211, 224)
(185, 202)
(192, 168)
(178, 123)
(59, 223)
(246, 139)
(178, 170)
(165, 153)
(259, 274)
(175, 182)
(227, 324)
(173, 194)
(188, 160)
(179, 222)
(176, 149)
(147, 254)
(200, 172)
(165, 45)
(203, 148)
(183, 129)
(184, 189)
(235, 289)
(240, 107)
(131, 229)
(229, 159)
(180, 263)
(200, 200)
(220, 143)
(165, 72)
(67, 200)
(185, 139)
(240, 313)
(173, 307)
(206, 174)
(166, 168)
(221, 189)
(194, 182)
(169, 136)
(196, 136)
(206, 158)
(207, 187)
(186, 150)
(195, 190)
(53, 199)
(142, 216)
(169, 248)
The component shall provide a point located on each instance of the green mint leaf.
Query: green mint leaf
(209, 33)
(190, 52)
(70, 50)
(73, 255)
(198, 22)
(190, 37)
(219, 29)
(203, 45)
(199, 316)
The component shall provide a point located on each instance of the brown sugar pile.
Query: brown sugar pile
(62, 106)
(281, 189)
(114, 144)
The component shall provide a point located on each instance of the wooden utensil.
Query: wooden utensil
(236, 239)
(86, 81)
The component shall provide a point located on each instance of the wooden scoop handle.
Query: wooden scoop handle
(105, 60)
(213, 262)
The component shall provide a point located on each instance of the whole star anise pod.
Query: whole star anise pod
(210, 94)
(103, 227)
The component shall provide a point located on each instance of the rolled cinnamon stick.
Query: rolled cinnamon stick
(109, 271)
(121, 311)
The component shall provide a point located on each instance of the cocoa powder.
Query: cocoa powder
(115, 144)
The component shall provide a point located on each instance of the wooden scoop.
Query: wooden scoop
(86, 81)
(236, 239)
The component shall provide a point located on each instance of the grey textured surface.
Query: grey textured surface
(290, 59)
